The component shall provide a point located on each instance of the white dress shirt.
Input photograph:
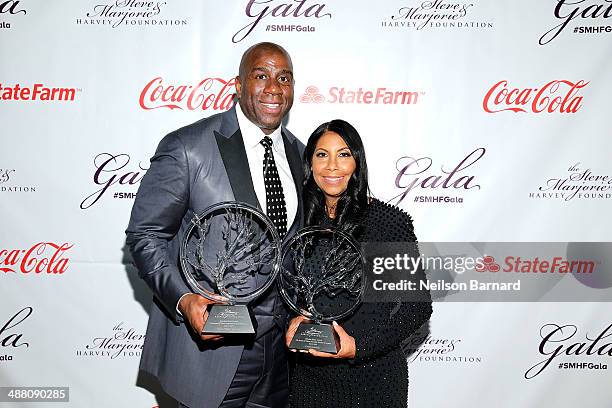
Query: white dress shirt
(252, 135)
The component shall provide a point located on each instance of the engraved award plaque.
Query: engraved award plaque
(233, 250)
(322, 278)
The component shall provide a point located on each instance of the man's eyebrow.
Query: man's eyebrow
(264, 69)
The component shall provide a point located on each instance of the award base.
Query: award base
(321, 337)
(229, 319)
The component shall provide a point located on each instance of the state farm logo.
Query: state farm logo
(12, 335)
(587, 17)
(488, 264)
(37, 92)
(42, 258)
(415, 175)
(114, 170)
(563, 345)
(280, 15)
(374, 96)
(578, 183)
(312, 95)
(558, 96)
(8, 185)
(131, 13)
(438, 14)
(10, 8)
(544, 265)
(209, 93)
(121, 342)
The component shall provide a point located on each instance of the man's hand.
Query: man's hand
(194, 309)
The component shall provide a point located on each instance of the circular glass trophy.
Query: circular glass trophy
(231, 249)
(322, 278)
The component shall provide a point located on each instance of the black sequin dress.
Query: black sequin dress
(378, 376)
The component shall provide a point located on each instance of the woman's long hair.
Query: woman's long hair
(352, 205)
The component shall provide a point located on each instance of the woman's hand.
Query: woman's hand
(293, 325)
(348, 349)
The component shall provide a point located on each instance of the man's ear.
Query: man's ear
(238, 86)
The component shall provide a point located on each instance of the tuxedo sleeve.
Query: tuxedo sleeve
(160, 205)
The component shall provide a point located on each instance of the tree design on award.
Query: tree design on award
(247, 247)
(326, 264)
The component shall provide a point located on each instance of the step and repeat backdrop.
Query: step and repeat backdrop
(485, 120)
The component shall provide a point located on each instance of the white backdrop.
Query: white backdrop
(71, 160)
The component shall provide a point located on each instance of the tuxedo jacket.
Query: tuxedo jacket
(193, 168)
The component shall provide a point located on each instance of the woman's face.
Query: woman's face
(333, 165)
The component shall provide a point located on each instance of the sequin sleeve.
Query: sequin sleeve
(390, 323)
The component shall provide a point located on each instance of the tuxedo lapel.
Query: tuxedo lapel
(237, 168)
(236, 163)
(295, 164)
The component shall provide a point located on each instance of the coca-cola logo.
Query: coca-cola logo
(112, 170)
(558, 96)
(130, 13)
(121, 342)
(559, 342)
(578, 11)
(578, 183)
(37, 92)
(209, 93)
(43, 257)
(416, 175)
(435, 14)
(367, 96)
(278, 13)
(11, 335)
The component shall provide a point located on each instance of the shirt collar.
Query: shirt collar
(251, 134)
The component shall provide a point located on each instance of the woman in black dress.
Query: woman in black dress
(370, 369)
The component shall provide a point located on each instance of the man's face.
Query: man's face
(266, 90)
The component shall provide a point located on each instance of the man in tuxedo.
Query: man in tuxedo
(220, 158)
